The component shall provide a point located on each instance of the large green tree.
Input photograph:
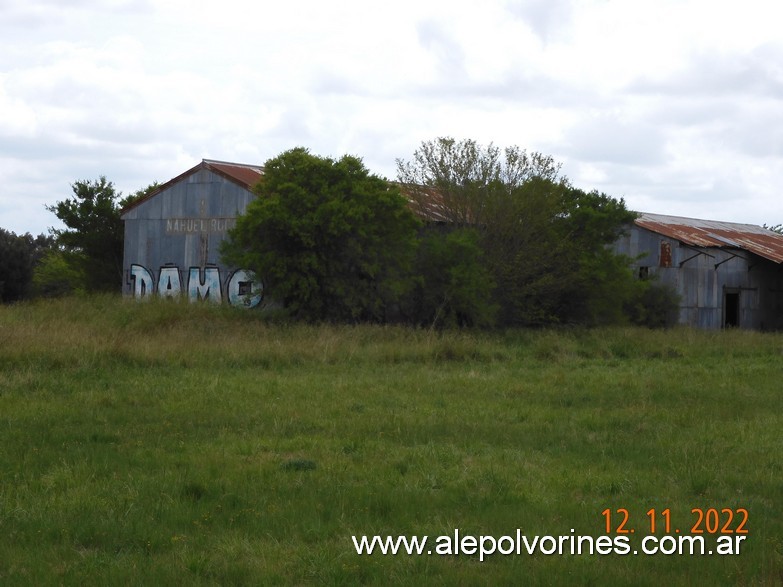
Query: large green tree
(544, 241)
(603, 283)
(469, 181)
(91, 247)
(328, 240)
(94, 231)
(18, 257)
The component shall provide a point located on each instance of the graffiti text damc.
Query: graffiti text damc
(239, 288)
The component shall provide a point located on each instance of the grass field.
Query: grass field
(166, 444)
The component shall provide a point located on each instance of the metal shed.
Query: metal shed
(172, 236)
(727, 274)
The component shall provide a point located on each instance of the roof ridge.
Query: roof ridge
(232, 163)
(698, 219)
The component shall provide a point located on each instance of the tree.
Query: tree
(544, 241)
(655, 305)
(58, 273)
(327, 239)
(95, 231)
(468, 179)
(92, 245)
(602, 280)
(19, 255)
(15, 266)
(452, 285)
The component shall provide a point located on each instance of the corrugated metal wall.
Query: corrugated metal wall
(704, 277)
(172, 239)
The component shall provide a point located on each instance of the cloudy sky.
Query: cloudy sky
(677, 106)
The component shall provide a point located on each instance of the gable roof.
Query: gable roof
(712, 233)
(240, 173)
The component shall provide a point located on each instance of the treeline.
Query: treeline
(467, 236)
(84, 257)
(19, 256)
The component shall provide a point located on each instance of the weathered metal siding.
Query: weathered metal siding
(770, 295)
(703, 276)
(182, 227)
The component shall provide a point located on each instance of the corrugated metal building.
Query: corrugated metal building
(172, 236)
(727, 274)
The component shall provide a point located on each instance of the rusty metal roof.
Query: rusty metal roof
(712, 233)
(247, 175)
(426, 203)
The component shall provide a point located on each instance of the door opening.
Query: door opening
(731, 310)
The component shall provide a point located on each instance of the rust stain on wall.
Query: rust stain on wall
(666, 254)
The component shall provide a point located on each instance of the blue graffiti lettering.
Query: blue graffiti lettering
(241, 288)
(169, 284)
(207, 288)
(141, 280)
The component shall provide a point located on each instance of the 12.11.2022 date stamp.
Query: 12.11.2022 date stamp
(728, 527)
(704, 521)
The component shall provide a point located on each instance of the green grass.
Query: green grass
(166, 443)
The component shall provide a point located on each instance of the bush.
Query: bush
(19, 255)
(328, 240)
(544, 242)
(452, 285)
(59, 273)
(656, 305)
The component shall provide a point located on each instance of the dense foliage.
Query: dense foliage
(59, 272)
(544, 242)
(508, 241)
(656, 305)
(452, 285)
(327, 239)
(95, 230)
(18, 257)
(89, 256)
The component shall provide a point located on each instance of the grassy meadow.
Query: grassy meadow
(175, 444)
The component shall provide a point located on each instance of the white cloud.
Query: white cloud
(673, 104)
(607, 137)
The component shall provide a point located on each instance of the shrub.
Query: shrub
(655, 306)
(452, 285)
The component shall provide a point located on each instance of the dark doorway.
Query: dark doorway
(731, 310)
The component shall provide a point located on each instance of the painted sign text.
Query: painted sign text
(199, 225)
(239, 288)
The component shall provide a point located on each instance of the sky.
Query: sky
(675, 106)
